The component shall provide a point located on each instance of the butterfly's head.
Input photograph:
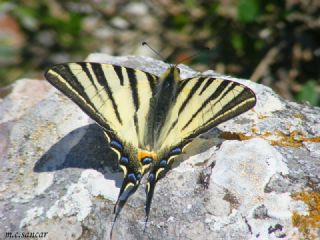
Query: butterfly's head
(173, 72)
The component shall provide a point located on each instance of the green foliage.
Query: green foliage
(282, 36)
(248, 10)
(238, 43)
(180, 21)
(308, 93)
(45, 32)
(37, 19)
(190, 3)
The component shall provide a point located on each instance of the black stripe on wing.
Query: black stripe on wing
(246, 95)
(72, 79)
(85, 69)
(187, 98)
(191, 93)
(118, 71)
(215, 96)
(134, 88)
(207, 84)
(135, 96)
(152, 83)
(243, 96)
(75, 91)
(218, 92)
(183, 84)
(99, 73)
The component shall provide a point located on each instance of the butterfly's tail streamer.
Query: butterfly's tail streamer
(121, 201)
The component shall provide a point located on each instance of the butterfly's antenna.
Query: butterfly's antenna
(152, 49)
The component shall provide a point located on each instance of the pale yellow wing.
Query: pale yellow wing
(202, 103)
(116, 97)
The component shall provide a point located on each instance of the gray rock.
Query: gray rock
(260, 179)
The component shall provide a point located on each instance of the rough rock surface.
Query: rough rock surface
(259, 180)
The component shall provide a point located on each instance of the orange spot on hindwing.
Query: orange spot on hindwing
(143, 158)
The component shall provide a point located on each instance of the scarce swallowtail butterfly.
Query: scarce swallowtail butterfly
(148, 120)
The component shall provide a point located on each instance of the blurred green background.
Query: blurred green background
(273, 42)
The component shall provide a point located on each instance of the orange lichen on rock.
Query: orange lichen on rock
(294, 139)
(278, 138)
(308, 224)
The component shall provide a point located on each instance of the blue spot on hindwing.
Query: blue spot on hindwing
(151, 177)
(146, 160)
(139, 176)
(163, 163)
(116, 144)
(176, 150)
(124, 160)
(132, 177)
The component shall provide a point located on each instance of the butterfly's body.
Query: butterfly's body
(148, 120)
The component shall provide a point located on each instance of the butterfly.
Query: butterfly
(148, 120)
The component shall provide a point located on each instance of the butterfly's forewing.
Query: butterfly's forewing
(201, 104)
(117, 98)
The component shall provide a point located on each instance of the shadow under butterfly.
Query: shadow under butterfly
(84, 148)
(148, 120)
